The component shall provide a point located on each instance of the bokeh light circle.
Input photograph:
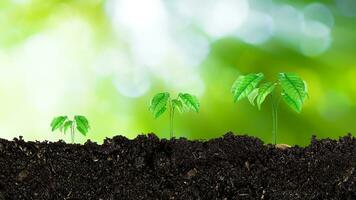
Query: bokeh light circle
(258, 29)
(319, 12)
(129, 78)
(288, 22)
(316, 38)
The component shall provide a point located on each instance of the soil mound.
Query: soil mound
(230, 167)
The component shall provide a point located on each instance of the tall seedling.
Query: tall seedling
(63, 123)
(293, 91)
(183, 103)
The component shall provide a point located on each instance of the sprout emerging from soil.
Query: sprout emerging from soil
(63, 123)
(183, 103)
(293, 91)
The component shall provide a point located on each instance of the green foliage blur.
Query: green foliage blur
(106, 59)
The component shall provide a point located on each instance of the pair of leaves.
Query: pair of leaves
(259, 94)
(184, 103)
(58, 122)
(63, 124)
(178, 105)
(246, 86)
(66, 125)
(294, 89)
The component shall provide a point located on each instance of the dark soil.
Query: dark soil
(231, 167)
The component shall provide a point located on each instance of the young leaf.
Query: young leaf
(67, 125)
(82, 124)
(294, 90)
(159, 103)
(159, 112)
(57, 122)
(252, 96)
(295, 105)
(263, 92)
(189, 101)
(244, 85)
(177, 104)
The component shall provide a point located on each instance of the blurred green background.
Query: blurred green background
(105, 59)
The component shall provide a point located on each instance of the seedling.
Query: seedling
(293, 91)
(63, 123)
(183, 103)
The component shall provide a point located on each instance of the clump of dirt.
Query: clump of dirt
(230, 167)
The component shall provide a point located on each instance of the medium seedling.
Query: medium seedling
(293, 91)
(63, 123)
(183, 103)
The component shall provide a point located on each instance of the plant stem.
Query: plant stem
(72, 132)
(172, 121)
(275, 104)
(171, 116)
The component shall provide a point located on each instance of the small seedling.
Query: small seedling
(183, 103)
(63, 123)
(293, 91)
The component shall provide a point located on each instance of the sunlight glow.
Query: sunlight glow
(224, 17)
(130, 79)
(258, 29)
(139, 15)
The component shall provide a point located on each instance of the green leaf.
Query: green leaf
(57, 122)
(159, 103)
(67, 124)
(252, 96)
(292, 103)
(263, 92)
(177, 104)
(189, 101)
(160, 112)
(294, 90)
(82, 124)
(244, 85)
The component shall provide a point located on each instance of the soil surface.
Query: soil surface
(230, 167)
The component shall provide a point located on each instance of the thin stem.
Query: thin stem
(274, 131)
(172, 121)
(171, 115)
(275, 104)
(72, 132)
